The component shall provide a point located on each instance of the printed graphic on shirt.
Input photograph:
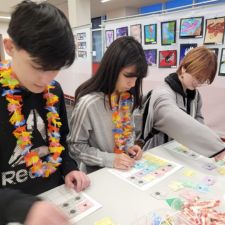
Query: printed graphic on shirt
(13, 176)
(36, 125)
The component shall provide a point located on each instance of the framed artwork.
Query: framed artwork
(82, 54)
(214, 50)
(151, 56)
(109, 37)
(214, 31)
(191, 27)
(185, 48)
(81, 36)
(135, 31)
(167, 58)
(222, 63)
(82, 45)
(168, 32)
(150, 34)
(122, 31)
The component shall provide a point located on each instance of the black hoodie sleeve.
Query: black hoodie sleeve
(68, 164)
(14, 205)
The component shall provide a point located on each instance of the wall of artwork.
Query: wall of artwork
(166, 38)
(81, 69)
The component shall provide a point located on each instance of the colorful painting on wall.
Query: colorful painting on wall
(222, 63)
(150, 34)
(168, 32)
(135, 31)
(122, 31)
(191, 27)
(109, 37)
(214, 32)
(167, 58)
(185, 48)
(151, 56)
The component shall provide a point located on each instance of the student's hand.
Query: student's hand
(123, 162)
(221, 156)
(135, 152)
(46, 213)
(77, 180)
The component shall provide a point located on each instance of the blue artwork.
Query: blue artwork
(168, 32)
(150, 34)
(185, 48)
(191, 27)
(151, 55)
(122, 31)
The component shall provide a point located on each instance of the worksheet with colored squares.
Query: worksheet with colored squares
(181, 149)
(75, 205)
(148, 171)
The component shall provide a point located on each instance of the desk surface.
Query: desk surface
(124, 203)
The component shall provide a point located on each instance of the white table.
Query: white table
(125, 203)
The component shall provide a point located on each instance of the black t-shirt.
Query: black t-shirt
(13, 171)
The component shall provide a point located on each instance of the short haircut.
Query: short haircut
(201, 63)
(44, 32)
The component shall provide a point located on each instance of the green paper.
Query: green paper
(170, 201)
(175, 203)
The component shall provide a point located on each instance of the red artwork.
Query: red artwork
(214, 31)
(215, 28)
(168, 58)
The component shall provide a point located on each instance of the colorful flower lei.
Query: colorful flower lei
(121, 117)
(38, 167)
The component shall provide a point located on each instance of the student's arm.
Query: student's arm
(171, 120)
(74, 178)
(14, 206)
(78, 141)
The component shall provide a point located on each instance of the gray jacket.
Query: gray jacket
(90, 140)
(168, 114)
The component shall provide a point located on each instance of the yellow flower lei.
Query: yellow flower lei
(121, 117)
(38, 167)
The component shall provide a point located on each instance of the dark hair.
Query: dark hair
(44, 32)
(123, 52)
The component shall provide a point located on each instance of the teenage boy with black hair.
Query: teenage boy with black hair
(33, 126)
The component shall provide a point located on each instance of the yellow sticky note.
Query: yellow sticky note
(189, 173)
(105, 221)
(149, 177)
(221, 170)
(176, 186)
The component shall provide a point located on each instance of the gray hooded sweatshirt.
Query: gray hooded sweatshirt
(178, 115)
(90, 140)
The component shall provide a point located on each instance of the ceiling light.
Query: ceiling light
(5, 17)
(102, 1)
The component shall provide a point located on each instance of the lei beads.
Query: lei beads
(121, 117)
(38, 167)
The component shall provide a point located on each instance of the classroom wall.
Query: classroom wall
(3, 32)
(213, 95)
(81, 69)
